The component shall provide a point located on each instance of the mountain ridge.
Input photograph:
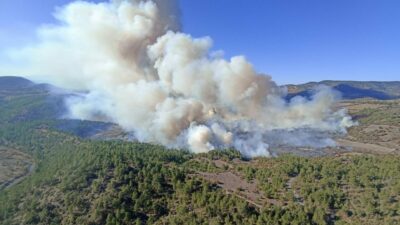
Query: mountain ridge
(381, 90)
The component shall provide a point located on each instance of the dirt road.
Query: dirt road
(14, 166)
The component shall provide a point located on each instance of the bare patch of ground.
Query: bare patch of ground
(378, 131)
(382, 135)
(355, 106)
(234, 184)
(364, 147)
(14, 166)
(114, 132)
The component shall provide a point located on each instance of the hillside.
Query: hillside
(352, 89)
(80, 180)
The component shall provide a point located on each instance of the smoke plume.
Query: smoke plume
(133, 67)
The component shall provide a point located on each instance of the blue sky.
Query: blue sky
(293, 40)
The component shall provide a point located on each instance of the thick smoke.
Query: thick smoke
(136, 69)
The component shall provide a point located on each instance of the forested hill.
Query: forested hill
(352, 89)
(90, 182)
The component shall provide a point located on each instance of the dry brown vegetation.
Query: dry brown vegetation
(378, 131)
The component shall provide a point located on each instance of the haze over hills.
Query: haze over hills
(52, 106)
(382, 90)
(14, 82)
(46, 102)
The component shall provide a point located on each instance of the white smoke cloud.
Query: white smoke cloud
(137, 70)
(199, 139)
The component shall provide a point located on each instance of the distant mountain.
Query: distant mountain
(382, 90)
(26, 101)
(11, 82)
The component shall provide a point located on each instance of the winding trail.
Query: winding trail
(18, 179)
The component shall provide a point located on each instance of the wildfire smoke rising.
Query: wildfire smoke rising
(137, 70)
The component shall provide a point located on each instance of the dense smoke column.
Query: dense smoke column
(137, 70)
